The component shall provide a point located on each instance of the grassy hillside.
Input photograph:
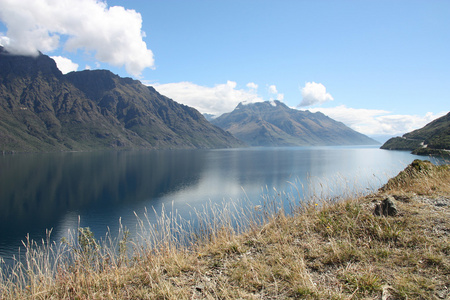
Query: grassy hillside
(435, 134)
(325, 249)
(432, 139)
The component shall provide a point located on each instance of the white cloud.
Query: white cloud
(252, 86)
(4, 40)
(377, 122)
(221, 98)
(314, 93)
(274, 91)
(65, 65)
(113, 33)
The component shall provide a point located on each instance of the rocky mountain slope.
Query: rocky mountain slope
(433, 138)
(43, 110)
(275, 124)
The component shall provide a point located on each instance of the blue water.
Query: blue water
(65, 190)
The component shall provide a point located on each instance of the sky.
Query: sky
(381, 67)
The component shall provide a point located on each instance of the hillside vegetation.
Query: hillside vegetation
(324, 249)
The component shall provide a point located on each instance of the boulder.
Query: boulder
(386, 207)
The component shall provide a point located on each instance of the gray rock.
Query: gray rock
(200, 287)
(386, 207)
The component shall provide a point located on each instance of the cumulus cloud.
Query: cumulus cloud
(252, 86)
(216, 100)
(273, 91)
(113, 34)
(314, 93)
(377, 122)
(65, 65)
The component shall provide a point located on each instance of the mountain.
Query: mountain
(433, 138)
(274, 124)
(43, 110)
(208, 117)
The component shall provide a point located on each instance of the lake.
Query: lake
(65, 190)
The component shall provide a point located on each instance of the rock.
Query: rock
(200, 287)
(386, 207)
(386, 295)
(442, 294)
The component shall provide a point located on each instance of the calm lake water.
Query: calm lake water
(59, 190)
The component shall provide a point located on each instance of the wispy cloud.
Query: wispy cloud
(314, 93)
(377, 122)
(113, 33)
(216, 100)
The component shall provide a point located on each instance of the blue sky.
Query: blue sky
(381, 67)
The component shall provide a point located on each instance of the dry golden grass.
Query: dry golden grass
(334, 250)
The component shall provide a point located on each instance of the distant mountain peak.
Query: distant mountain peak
(262, 105)
(275, 102)
(273, 123)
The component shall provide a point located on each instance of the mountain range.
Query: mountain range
(433, 138)
(43, 110)
(272, 123)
